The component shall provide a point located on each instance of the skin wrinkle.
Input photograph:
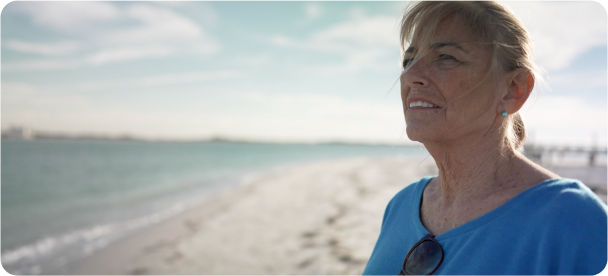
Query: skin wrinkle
(488, 76)
(470, 90)
(477, 171)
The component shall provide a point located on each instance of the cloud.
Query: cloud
(170, 2)
(304, 117)
(191, 77)
(126, 53)
(155, 24)
(158, 80)
(67, 108)
(14, 93)
(44, 65)
(115, 32)
(68, 16)
(44, 49)
(296, 117)
(313, 10)
(362, 43)
(26, 104)
(561, 119)
(164, 27)
(33, 107)
(562, 30)
(579, 80)
(374, 31)
(19, 90)
(103, 56)
(354, 34)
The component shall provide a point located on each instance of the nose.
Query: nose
(416, 74)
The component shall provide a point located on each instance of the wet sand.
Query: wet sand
(317, 218)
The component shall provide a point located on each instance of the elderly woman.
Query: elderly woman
(468, 70)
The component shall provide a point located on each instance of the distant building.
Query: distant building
(18, 132)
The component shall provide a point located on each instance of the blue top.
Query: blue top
(556, 227)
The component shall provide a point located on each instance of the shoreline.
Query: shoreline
(321, 217)
(125, 193)
(110, 260)
(316, 218)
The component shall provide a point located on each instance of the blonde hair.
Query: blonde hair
(494, 25)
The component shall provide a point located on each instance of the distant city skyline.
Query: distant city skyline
(265, 71)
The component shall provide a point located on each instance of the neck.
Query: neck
(476, 176)
(471, 167)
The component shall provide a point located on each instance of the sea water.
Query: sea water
(63, 200)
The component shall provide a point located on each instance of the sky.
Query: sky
(265, 71)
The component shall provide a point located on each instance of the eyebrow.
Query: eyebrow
(436, 46)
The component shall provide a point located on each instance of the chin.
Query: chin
(423, 133)
(413, 134)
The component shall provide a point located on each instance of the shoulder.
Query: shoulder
(559, 226)
(410, 192)
(406, 196)
(570, 196)
(396, 234)
(563, 201)
(571, 223)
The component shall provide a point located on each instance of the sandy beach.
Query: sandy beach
(317, 218)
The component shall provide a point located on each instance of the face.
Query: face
(448, 94)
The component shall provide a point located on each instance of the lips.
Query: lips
(420, 103)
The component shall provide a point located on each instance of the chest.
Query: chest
(439, 218)
(501, 247)
(496, 244)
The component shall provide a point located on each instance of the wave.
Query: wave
(53, 252)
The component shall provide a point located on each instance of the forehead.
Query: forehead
(452, 30)
(455, 29)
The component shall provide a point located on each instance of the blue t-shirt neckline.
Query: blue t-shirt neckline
(473, 224)
(557, 227)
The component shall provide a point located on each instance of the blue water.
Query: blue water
(64, 200)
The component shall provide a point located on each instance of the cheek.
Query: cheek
(474, 102)
(464, 85)
(469, 93)
(404, 91)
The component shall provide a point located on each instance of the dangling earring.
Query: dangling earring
(503, 114)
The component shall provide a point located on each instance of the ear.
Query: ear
(520, 84)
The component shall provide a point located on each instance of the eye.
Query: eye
(406, 62)
(445, 57)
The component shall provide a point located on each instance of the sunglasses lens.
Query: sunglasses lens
(423, 259)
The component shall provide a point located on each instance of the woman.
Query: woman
(468, 70)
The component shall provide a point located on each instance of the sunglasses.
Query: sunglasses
(424, 258)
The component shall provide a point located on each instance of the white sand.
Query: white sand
(320, 218)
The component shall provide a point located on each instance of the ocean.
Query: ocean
(63, 200)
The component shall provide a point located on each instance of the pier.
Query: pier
(539, 153)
